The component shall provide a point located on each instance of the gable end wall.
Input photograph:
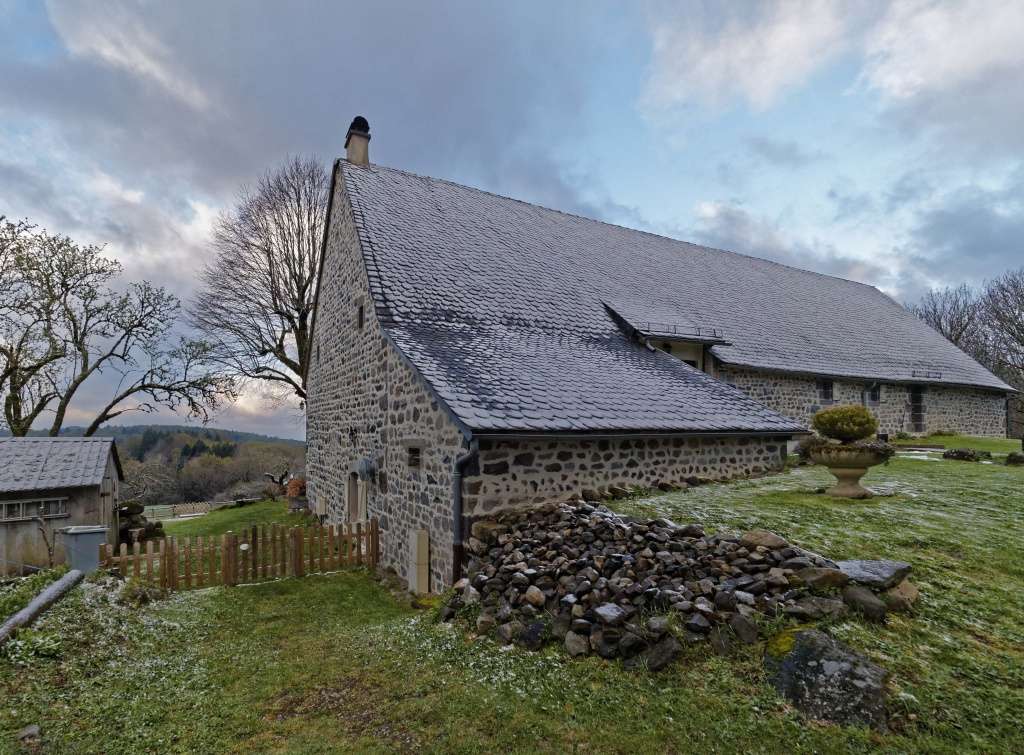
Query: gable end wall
(366, 402)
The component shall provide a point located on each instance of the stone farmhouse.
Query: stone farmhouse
(473, 352)
(63, 481)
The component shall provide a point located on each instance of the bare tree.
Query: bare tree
(988, 324)
(256, 304)
(958, 314)
(66, 324)
(29, 344)
(1004, 307)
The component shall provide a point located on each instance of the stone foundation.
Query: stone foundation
(528, 472)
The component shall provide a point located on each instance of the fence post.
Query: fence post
(173, 563)
(162, 556)
(359, 543)
(375, 542)
(225, 559)
(297, 545)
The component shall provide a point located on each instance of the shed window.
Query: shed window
(874, 393)
(825, 391)
(50, 508)
(415, 457)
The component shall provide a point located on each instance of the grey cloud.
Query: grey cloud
(973, 234)
(849, 203)
(444, 87)
(732, 227)
(909, 189)
(783, 153)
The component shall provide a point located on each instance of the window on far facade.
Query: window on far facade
(23, 510)
(415, 457)
(825, 391)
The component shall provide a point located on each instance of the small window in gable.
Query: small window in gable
(825, 391)
(415, 457)
(360, 317)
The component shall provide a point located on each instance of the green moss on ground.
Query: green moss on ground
(236, 519)
(18, 592)
(336, 664)
(992, 445)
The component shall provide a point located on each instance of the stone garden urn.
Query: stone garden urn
(845, 449)
(848, 464)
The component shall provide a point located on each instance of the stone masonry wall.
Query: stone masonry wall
(517, 473)
(366, 403)
(970, 411)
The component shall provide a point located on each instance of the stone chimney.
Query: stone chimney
(357, 141)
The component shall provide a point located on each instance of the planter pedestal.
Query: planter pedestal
(848, 465)
(848, 483)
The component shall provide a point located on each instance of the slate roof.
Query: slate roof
(500, 305)
(29, 464)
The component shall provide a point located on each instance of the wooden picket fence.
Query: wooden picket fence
(254, 555)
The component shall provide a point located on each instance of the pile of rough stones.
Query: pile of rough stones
(600, 582)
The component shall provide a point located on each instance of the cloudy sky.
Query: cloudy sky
(876, 141)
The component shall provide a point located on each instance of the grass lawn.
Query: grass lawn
(337, 664)
(235, 519)
(992, 445)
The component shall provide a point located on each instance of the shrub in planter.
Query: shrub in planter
(849, 455)
(808, 446)
(845, 423)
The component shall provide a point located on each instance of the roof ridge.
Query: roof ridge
(747, 255)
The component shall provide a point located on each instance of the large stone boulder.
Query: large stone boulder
(878, 575)
(764, 538)
(826, 680)
(865, 602)
(902, 597)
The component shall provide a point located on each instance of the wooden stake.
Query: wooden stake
(297, 544)
(188, 563)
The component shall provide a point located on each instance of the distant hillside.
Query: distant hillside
(124, 432)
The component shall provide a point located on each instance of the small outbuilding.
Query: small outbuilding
(47, 484)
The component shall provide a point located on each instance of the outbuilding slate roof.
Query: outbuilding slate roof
(29, 464)
(500, 305)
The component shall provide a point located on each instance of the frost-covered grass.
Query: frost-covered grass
(336, 663)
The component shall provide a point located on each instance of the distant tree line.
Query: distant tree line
(987, 323)
(172, 466)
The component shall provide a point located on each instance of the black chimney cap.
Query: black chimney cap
(359, 126)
